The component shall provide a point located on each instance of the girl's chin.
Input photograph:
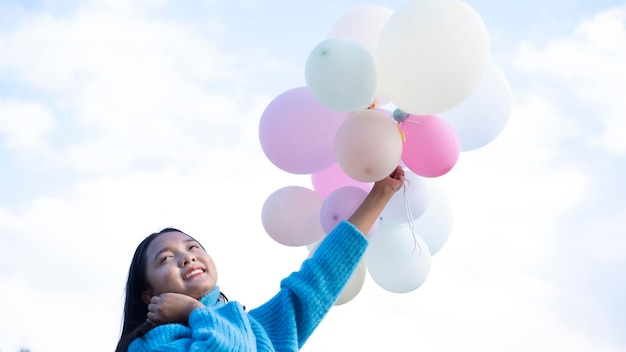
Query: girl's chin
(199, 293)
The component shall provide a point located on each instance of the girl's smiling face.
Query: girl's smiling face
(177, 263)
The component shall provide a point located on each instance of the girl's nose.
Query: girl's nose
(187, 258)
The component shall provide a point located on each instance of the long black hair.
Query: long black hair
(135, 309)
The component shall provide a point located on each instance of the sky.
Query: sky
(119, 118)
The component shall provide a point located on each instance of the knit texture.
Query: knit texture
(283, 323)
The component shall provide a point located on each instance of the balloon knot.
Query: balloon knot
(400, 115)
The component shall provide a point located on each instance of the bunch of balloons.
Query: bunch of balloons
(412, 87)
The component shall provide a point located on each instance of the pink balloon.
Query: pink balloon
(297, 133)
(431, 148)
(333, 177)
(340, 205)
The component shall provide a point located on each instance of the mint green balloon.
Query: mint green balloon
(341, 75)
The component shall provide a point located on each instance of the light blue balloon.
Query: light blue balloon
(396, 260)
(341, 75)
(481, 118)
(435, 225)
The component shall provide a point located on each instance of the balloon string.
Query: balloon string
(401, 133)
(409, 217)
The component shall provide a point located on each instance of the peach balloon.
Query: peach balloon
(291, 216)
(368, 146)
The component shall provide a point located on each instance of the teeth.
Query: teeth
(197, 271)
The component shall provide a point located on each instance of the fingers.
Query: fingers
(154, 303)
(398, 177)
(151, 318)
(397, 173)
(153, 307)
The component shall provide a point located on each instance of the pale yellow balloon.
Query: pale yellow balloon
(354, 285)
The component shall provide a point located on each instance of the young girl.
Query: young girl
(173, 302)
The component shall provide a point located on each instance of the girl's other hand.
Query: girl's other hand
(171, 307)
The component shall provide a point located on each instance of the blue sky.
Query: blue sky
(118, 118)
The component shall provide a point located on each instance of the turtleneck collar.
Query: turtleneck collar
(211, 298)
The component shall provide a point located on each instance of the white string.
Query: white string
(407, 206)
(409, 217)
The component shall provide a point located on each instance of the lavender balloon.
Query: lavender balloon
(340, 205)
(297, 133)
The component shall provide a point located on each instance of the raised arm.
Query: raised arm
(369, 211)
(307, 295)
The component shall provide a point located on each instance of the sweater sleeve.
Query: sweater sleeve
(307, 295)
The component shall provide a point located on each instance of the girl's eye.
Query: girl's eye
(193, 246)
(165, 258)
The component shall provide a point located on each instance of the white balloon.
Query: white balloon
(409, 203)
(397, 260)
(368, 146)
(481, 117)
(435, 225)
(431, 55)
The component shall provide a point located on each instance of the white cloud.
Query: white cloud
(25, 126)
(585, 72)
(589, 65)
(134, 89)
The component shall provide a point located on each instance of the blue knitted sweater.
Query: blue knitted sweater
(283, 323)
